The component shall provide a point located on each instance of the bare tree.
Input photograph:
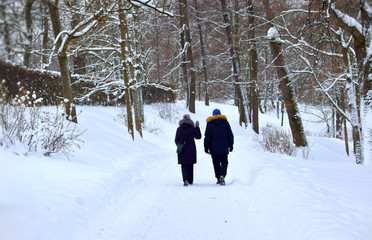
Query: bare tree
(204, 56)
(62, 41)
(28, 18)
(6, 29)
(240, 87)
(295, 121)
(253, 66)
(187, 47)
(62, 60)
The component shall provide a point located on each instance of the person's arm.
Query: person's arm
(197, 131)
(177, 138)
(230, 136)
(207, 139)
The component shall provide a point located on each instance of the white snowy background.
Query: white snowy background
(115, 188)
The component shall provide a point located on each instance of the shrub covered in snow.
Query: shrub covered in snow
(276, 140)
(23, 122)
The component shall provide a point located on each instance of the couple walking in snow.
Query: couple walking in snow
(218, 141)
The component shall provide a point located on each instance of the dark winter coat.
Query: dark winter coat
(187, 132)
(218, 135)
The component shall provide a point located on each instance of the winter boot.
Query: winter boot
(222, 180)
(186, 183)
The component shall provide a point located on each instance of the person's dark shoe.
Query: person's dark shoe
(222, 180)
(186, 183)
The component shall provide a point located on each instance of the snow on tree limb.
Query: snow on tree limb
(149, 4)
(347, 21)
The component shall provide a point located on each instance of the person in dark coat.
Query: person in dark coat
(218, 141)
(186, 133)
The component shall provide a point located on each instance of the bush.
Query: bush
(167, 111)
(276, 140)
(151, 126)
(47, 85)
(22, 121)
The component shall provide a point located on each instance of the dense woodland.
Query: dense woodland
(262, 55)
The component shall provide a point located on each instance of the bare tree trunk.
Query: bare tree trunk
(295, 122)
(185, 27)
(241, 90)
(28, 46)
(343, 106)
(338, 116)
(45, 26)
(354, 90)
(123, 38)
(138, 109)
(356, 129)
(157, 51)
(63, 63)
(79, 59)
(185, 79)
(202, 47)
(5, 30)
(254, 67)
(136, 76)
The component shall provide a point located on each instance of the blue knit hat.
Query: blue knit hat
(216, 112)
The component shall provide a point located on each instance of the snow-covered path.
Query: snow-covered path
(117, 189)
(266, 197)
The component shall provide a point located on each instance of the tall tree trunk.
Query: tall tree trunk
(202, 47)
(28, 45)
(63, 63)
(79, 59)
(5, 30)
(343, 107)
(185, 78)
(138, 109)
(123, 41)
(240, 89)
(355, 90)
(185, 27)
(136, 75)
(254, 66)
(45, 28)
(157, 51)
(290, 103)
(356, 129)
(339, 117)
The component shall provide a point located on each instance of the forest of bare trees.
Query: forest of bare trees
(260, 55)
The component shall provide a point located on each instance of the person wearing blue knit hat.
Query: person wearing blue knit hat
(216, 112)
(218, 141)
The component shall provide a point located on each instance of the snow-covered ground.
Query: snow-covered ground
(115, 188)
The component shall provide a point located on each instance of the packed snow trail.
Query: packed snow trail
(115, 188)
(265, 197)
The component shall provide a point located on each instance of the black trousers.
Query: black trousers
(188, 172)
(220, 165)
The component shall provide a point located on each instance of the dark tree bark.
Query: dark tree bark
(202, 47)
(28, 46)
(185, 27)
(63, 62)
(185, 78)
(290, 103)
(5, 31)
(360, 49)
(79, 58)
(45, 25)
(123, 37)
(343, 107)
(254, 67)
(241, 96)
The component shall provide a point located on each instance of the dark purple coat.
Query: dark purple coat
(186, 132)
